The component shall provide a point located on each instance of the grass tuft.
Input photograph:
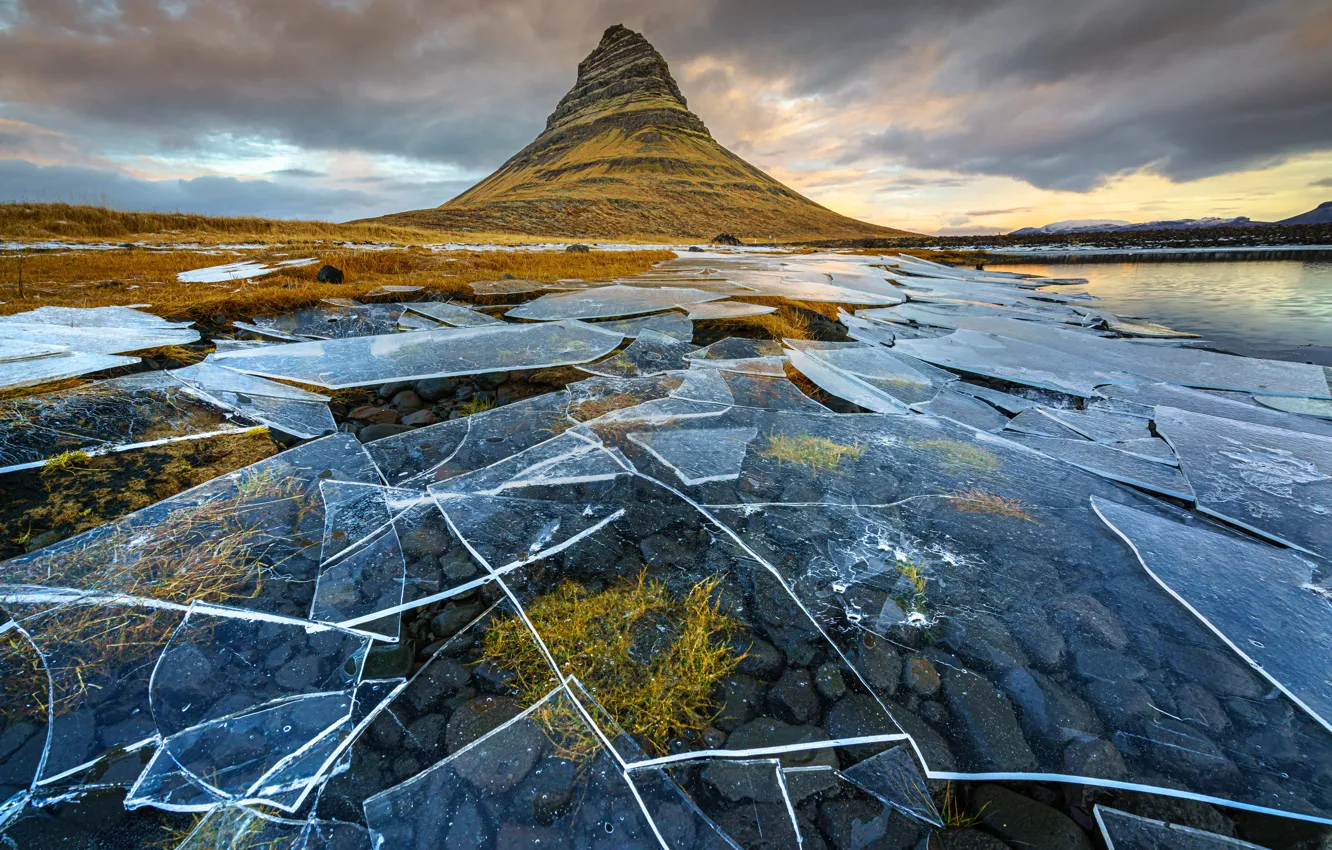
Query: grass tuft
(978, 501)
(818, 453)
(657, 694)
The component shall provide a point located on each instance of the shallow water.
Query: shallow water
(1273, 309)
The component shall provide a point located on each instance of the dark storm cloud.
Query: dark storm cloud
(1326, 181)
(1060, 94)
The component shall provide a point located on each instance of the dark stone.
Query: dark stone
(1214, 670)
(1082, 617)
(739, 698)
(853, 824)
(970, 839)
(1184, 751)
(385, 662)
(1194, 704)
(370, 433)
(490, 380)
(659, 550)
(982, 641)
(453, 617)
(880, 664)
(932, 745)
(437, 681)
(762, 660)
(1095, 758)
(476, 717)
(426, 540)
(406, 400)
(726, 239)
(1044, 646)
(920, 676)
(1107, 665)
(829, 682)
(493, 678)
(1023, 822)
(329, 274)
(651, 635)
(392, 388)
(743, 781)
(985, 723)
(303, 672)
(793, 699)
(427, 734)
(434, 389)
(577, 248)
(1050, 715)
(1120, 704)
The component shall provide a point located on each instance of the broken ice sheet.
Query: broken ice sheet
(1101, 426)
(284, 408)
(748, 799)
(671, 324)
(1100, 459)
(241, 758)
(594, 397)
(1273, 482)
(1262, 601)
(244, 270)
(26, 695)
(423, 456)
(698, 455)
(609, 301)
(457, 315)
(96, 339)
(652, 353)
(1015, 360)
(864, 330)
(844, 385)
(1007, 402)
(1123, 831)
(56, 367)
(1033, 421)
(1148, 396)
(738, 348)
(894, 777)
(1187, 366)
(99, 655)
(220, 663)
(550, 741)
(231, 827)
(770, 392)
(964, 409)
(352, 512)
(360, 361)
(1319, 407)
(249, 538)
(361, 583)
(728, 310)
(330, 322)
(120, 411)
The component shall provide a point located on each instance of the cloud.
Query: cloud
(970, 230)
(1324, 182)
(23, 181)
(979, 213)
(1065, 96)
(297, 172)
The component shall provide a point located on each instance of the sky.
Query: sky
(938, 116)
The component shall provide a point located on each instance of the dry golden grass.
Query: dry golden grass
(138, 276)
(958, 456)
(787, 323)
(977, 501)
(818, 453)
(88, 222)
(590, 636)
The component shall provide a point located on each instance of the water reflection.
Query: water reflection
(1280, 309)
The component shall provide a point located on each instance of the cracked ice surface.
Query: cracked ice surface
(360, 361)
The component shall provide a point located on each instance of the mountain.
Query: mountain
(1072, 225)
(622, 156)
(1321, 214)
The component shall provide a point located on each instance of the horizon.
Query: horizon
(954, 123)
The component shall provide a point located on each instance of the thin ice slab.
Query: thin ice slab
(1273, 482)
(1100, 459)
(672, 324)
(607, 301)
(698, 455)
(1264, 602)
(1319, 407)
(652, 353)
(963, 409)
(246, 270)
(41, 370)
(728, 310)
(1148, 396)
(361, 361)
(96, 339)
(457, 315)
(1123, 831)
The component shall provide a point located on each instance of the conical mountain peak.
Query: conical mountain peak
(623, 157)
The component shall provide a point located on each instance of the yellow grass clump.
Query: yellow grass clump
(977, 501)
(590, 636)
(820, 454)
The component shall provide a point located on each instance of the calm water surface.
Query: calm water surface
(1280, 309)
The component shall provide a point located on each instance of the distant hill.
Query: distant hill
(1321, 214)
(622, 156)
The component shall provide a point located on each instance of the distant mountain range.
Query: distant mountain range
(1322, 214)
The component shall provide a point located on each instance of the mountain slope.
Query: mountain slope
(622, 156)
(1321, 214)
